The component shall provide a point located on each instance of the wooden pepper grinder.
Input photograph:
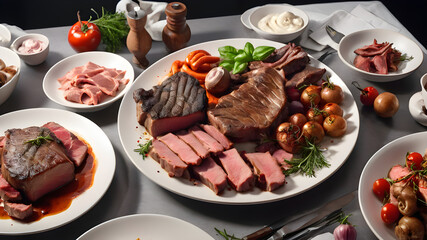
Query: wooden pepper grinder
(139, 40)
(176, 33)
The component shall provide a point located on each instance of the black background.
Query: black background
(53, 13)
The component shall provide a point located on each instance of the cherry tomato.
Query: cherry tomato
(313, 131)
(332, 109)
(390, 213)
(310, 96)
(84, 36)
(381, 188)
(335, 126)
(414, 160)
(367, 95)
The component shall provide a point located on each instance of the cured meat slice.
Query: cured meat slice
(211, 175)
(269, 174)
(18, 210)
(207, 141)
(76, 149)
(35, 169)
(239, 174)
(215, 133)
(181, 149)
(167, 159)
(194, 143)
(254, 109)
(176, 104)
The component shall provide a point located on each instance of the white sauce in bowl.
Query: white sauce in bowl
(285, 22)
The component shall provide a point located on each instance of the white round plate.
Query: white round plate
(377, 167)
(131, 132)
(104, 154)
(105, 59)
(416, 104)
(145, 226)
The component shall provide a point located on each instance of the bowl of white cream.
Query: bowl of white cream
(31, 48)
(279, 22)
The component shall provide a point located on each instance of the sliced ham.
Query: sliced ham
(270, 176)
(238, 172)
(215, 133)
(168, 160)
(207, 140)
(398, 171)
(181, 149)
(7, 192)
(18, 210)
(281, 155)
(194, 143)
(211, 174)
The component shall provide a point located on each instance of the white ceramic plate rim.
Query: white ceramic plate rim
(383, 35)
(105, 59)
(12, 59)
(145, 226)
(104, 153)
(130, 132)
(5, 33)
(377, 167)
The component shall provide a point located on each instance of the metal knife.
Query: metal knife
(284, 227)
(334, 34)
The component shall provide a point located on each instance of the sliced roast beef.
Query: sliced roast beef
(207, 140)
(194, 143)
(281, 155)
(18, 210)
(254, 109)
(309, 75)
(168, 160)
(380, 63)
(398, 171)
(176, 104)
(373, 49)
(268, 172)
(181, 149)
(215, 133)
(35, 169)
(76, 149)
(7, 192)
(238, 172)
(211, 175)
(363, 63)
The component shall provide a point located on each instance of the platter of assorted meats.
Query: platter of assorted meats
(211, 149)
(55, 166)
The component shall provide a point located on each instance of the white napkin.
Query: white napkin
(154, 11)
(358, 19)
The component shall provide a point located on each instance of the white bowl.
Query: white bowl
(31, 58)
(402, 43)
(9, 58)
(377, 167)
(105, 59)
(5, 36)
(265, 10)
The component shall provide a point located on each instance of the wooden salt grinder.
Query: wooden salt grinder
(139, 40)
(176, 33)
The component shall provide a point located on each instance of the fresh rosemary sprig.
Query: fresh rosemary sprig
(143, 149)
(113, 27)
(311, 159)
(40, 140)
(226, 235)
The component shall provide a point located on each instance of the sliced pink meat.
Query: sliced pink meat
(422, 188)
(168, 160)
(76, 149)
(194, 143)
(398, 171)
(18, 210)
(181, 149)
(380, 64)
(7, 192)
(209, 142)
(215, 133)
(270, 176)
(281, 155)
(363, 63)
(373, 49)
(239, 174)
(211, 174)
(108, 85)
(88, 94)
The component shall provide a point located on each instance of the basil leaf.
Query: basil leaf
(228, 56)
(227, 49)
(228, 65)
(262, 52)
(239, 67)
(249, 48)
(243, 57)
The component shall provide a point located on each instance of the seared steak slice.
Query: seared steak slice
(207, 140)
(215, 133)
(269, 175)
(181, 149)
(211, 175)
(7, 192)
(34, 169)
(178, 103)
(309, 75)
(254, 109)
(194, 143)
(18, 210)
(167, 159)
(239, 174)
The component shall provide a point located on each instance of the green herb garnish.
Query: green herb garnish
(226, 235)
(114, 29)
(311, 160)
(405, 57)
(236, 60)
(143, 149)
(40, 140)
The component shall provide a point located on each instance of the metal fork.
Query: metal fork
(325, 54)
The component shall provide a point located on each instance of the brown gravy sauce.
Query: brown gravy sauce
(60, 199)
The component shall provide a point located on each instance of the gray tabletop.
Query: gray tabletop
(131, 192)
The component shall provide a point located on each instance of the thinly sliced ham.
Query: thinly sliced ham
(181, 149)
(238, 172)
(215, 133)
(168, 160)
(207, 140)
(281, 155)
(211, 175)
(194, 143)
(270, 176)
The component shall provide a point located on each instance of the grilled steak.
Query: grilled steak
(35, 169)
(168, 160)
(239, 174)
(180, 148)
(7, 192)
(211, 175)
(309, 75)
(254, 109)
(178, 103)
(269, 175)
(18, 210)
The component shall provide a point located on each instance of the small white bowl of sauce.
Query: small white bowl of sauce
(279, 22)
(31, 48)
